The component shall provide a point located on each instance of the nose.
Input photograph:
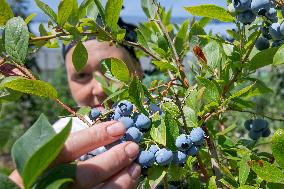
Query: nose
(97, 89)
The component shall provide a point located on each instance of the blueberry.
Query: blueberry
(248, 124)
(254, 135)
(116, 115)
(85, 157)
(197, 136)
(94, 114)
(274, 31)
(242, 5)
(183, 142)
(154, 149)
(179, 158)
(193, 151)
(262, 43)
(98, 151)
(146, 159)
(142, 122)
(259, 125)
(164, 157)
(127, 122)
(133, 134)
(266, 132)
(260, 6)
(265, 33)
(124, 108)
(282, 28)
(271, 14)
(155, 108)
(246, 17)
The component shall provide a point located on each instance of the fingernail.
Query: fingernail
(134, 171)
(116, 129)
(131, 150)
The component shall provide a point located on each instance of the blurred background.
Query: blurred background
(16, 117)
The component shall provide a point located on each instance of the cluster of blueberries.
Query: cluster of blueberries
(246, 12)
(187, 145)
(257, 128)
(136, 124)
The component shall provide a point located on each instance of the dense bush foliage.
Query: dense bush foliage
(188, 138)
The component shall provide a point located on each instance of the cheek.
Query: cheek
(82, 94)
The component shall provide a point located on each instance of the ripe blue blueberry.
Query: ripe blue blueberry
(85, 157)
(124, 108)
(94, 114)
(164, 156)
(197, 136)
(183, 142)
(248, 124)
(265, 33)
(262, 43)
(127, 122)
(154, 149)
(246, 17)
(133, 134)
(266, 132)
(146, 159)
(259, 125)
(179, 158)
(274, 31)
(242, 5)
(282, 28)
(254, 135)
(193, 151)
(260, 6)
(271, 14)
(142, 122)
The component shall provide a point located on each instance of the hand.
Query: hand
(111, 169)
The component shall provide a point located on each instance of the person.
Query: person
(114, 168)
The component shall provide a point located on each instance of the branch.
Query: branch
(173, 49)
(263, 115)
(202, 168)
(46, 38)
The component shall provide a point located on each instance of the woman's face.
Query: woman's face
(85, 89)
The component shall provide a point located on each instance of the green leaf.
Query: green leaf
(37, 148)
(279, 56)
(172, 131)
(101, 9)
(64, 11)
(17, 39)
(57, 176)
(29, 18)
(155, 176)
(267, 171)
(115, 68)
(191, 117)
(210, 11)
(181, 37)
(263, 58)
(171, 108)
(213, 54)
(89, 9)
(248, 187)
(34, 87)
(227, 130)
(278, 147)
(7, 183)
(136, 94)
(148, 8)
(113, 95)
(244, 169)
(84, 110)
(46, 9)
(158, 130)
(241, 92)
(211, 92)
(5, 13)
(212, 183)
(80, 57)
(112, 13)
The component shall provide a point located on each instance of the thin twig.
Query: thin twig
(263, 115)
(46, 38)
(202, 168)
(173, 49)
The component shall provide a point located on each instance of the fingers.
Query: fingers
(15, 177)
(104, 166)
(126, 179)
(89, 139)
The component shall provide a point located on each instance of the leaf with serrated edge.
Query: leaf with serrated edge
(278, 147)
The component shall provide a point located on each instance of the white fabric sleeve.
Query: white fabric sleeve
(77, 124)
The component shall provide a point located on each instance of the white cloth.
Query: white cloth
(77, 124)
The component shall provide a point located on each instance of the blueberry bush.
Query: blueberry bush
(180, 122)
